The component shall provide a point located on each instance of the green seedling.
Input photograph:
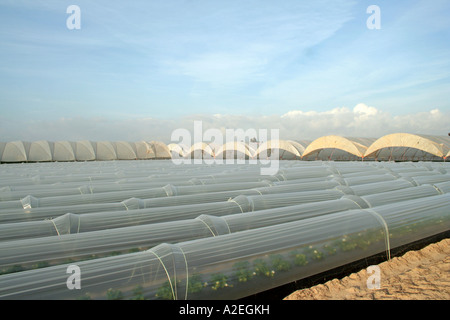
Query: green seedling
(242, 271)
(219, 280)
(112, 294)
(279, 264)
(195, 284)
(261, 268)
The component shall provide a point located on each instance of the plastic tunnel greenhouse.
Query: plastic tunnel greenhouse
(392, 147)
(235, 150)
(177, 150)
(409, 147)
(159, 230)
(200, 150)
(284, 150)
(337, 148)
(60, 151)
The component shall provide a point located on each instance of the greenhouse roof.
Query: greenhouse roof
(434, 145)
(392, 147)
(353, 146)
(287, 149)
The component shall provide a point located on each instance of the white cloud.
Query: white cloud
(365, 110)
(360, 121)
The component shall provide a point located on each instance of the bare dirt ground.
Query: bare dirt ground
(417, 275)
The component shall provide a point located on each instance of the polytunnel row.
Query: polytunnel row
(152, 211)
(85, 150)
(391, 147)
(278, 195)
(239, 264)
(283, 208)
(312, 194)
(211, 189)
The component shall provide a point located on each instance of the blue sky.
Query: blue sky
(169, 59)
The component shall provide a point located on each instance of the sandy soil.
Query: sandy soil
(417, 275)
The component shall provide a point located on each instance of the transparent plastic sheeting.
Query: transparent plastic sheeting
(9, 193)
(204, 176)
(17, 215)
(166, 191)
(73, 223)
(43, 190)
(236, 265)
(32, 211)
(201, 203)
(16, 197)
(53, 250)
(170, 196)
(85, 194)
(219, 174)
(47, 173)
